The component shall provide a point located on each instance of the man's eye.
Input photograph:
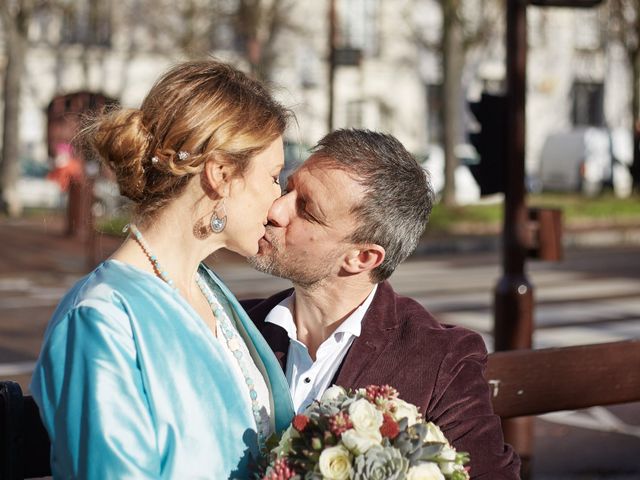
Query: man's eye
(276, 180)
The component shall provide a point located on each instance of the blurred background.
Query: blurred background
(408, 67)
(428, 72)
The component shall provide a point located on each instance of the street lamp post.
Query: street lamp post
(513, 300)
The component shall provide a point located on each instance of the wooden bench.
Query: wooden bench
(523, 382)
(532, 382)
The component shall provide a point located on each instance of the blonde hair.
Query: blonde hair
(205, 108)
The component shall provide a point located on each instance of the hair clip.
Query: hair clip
(154, 160)
(182, 155)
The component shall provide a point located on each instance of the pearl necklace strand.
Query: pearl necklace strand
(229, 333)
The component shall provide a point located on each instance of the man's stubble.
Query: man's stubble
(303, 270)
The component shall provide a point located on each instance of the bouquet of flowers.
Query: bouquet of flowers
(368, 433)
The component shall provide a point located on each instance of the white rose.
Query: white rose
(425, 471)
(335, 463)
(434, 434)
(447, 460)
(359, 442)
(333, 394)
(405, 410)
(448, 453)
(365, 417)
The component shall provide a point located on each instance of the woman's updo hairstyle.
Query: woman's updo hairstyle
(196, 111)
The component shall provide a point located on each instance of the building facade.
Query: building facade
(385, 79)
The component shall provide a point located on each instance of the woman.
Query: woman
(149, 367)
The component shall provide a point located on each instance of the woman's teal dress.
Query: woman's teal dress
(132, 384)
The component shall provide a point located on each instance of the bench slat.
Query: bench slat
(532, 382)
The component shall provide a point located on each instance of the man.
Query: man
(351, 213)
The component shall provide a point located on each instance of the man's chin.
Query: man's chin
(261, 260)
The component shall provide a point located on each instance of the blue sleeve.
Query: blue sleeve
(92, 398)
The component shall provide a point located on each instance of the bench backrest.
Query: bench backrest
(524, 382)
(532, 382)
(24, 444)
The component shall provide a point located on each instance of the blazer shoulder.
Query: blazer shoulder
(259, 308)
(414, 316)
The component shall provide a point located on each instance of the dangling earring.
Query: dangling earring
(218, 222)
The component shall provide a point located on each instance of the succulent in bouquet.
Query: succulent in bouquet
(368, 433)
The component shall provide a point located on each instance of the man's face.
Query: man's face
(306, 238)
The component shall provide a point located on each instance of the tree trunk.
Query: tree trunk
(16, 49)
(453, 63)
(635, 113)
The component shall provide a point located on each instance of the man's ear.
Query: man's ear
(364, 258)
(216, 178)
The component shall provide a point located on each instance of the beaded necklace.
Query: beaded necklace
(223, 324)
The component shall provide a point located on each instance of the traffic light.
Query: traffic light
(490, 143)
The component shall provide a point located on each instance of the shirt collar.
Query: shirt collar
(282, 315)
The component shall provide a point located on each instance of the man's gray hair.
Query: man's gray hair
(398, 194)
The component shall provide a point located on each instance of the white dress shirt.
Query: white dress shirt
(308, 379)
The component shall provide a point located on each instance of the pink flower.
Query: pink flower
(340, 423)
(384, 392)
(280, 470)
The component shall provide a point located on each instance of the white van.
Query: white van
(577, 161)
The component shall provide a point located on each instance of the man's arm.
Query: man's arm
(461, 406)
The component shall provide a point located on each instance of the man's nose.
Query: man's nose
(278, 214)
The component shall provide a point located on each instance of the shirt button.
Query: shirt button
(307, 380)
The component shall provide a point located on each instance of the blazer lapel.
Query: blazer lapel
(276, 336)
(377, 323)
(278, 340)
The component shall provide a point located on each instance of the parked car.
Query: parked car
(586, 160)
(467, 189)
(34, 189)
(294, 155)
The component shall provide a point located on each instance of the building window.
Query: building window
(371, 113)
(88, 23)
(588, 104)
(359, 27)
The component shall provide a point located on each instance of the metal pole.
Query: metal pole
(514, 293)
(332, 62)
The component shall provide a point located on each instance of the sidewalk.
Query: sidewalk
(37, 252)
(591, 234)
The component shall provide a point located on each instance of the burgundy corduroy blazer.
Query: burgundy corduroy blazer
(436, 367)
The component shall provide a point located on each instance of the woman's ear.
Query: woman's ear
(216, 177)
(364, 258)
